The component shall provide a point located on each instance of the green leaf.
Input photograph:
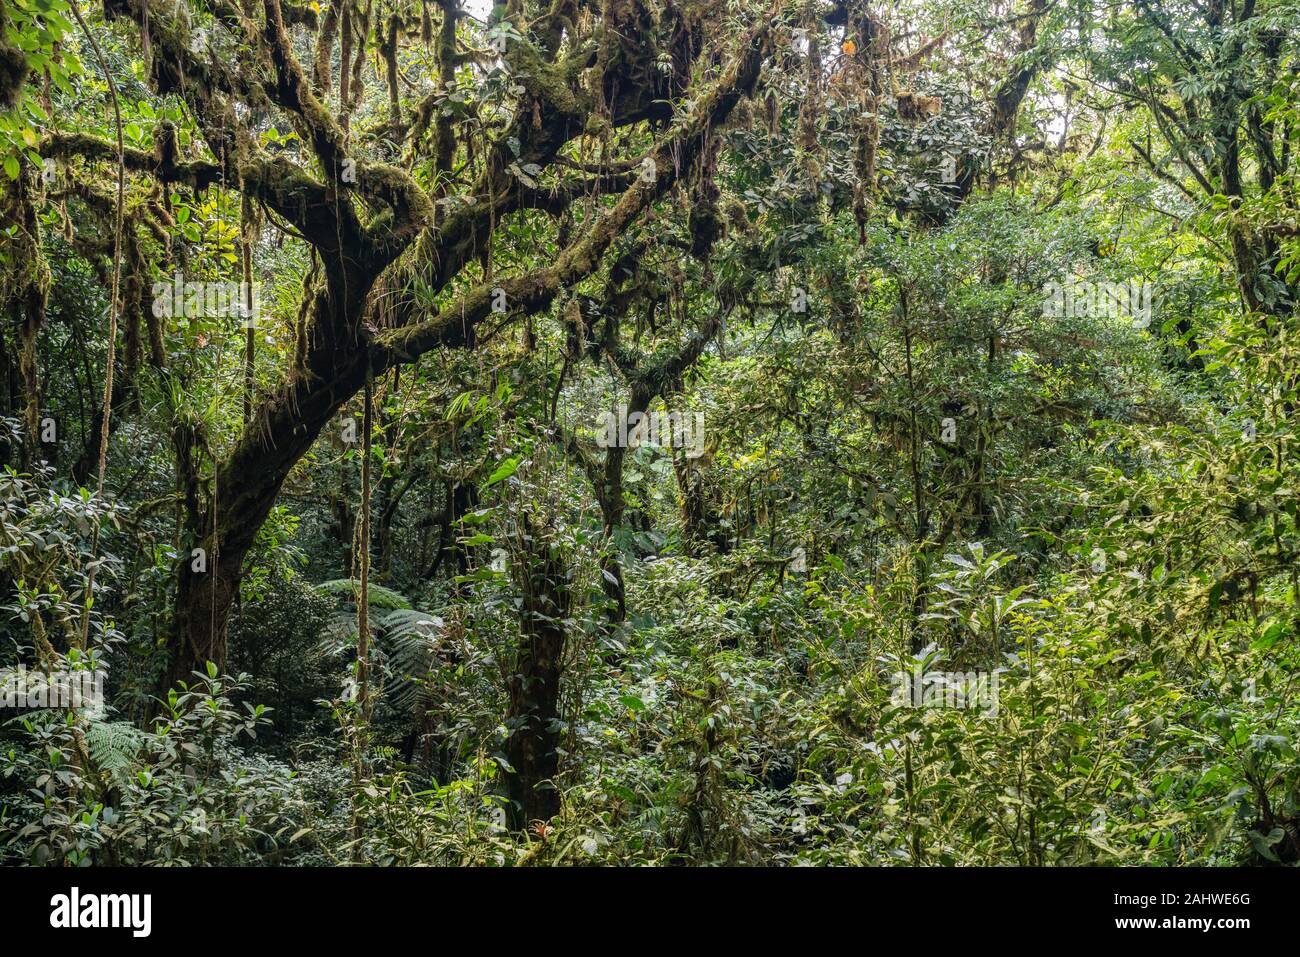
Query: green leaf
(1264, 845)
(503, 471)
(1272, 634)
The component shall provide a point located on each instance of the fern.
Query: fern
(338, 635)
(114, 745)
(409, 640)
(406, 641)
(380, 597)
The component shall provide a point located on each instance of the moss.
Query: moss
(550, 82)
(913, 107)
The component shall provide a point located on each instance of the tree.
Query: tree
(375, 226)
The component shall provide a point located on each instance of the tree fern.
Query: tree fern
(380, 597)
(409, 641)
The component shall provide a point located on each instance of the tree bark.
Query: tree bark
(248, 480)
(534, 687)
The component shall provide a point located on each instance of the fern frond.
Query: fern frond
(114, 745)
(410, 641)
(380, 597)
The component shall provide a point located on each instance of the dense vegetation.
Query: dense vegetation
(622, 432)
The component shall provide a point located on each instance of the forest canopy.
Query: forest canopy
(649, 432)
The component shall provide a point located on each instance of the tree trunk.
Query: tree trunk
(534, 688)
(249, 478)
